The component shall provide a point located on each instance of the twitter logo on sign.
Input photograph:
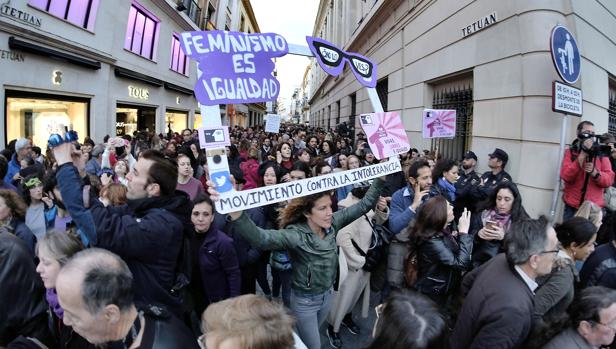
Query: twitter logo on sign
(222, 180)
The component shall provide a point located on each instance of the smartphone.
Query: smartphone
(491, 224)
(119, 151)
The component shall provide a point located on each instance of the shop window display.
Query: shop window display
(38, 118)
(176, 121)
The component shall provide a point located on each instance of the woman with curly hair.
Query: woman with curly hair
(12, 214)
(308, 230)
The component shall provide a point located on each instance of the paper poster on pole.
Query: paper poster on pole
(214, 137)
(235, 67)
(439, 123)
(385, 133)
(231, 201)
(272, 123)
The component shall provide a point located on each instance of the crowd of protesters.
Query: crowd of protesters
(117, 242)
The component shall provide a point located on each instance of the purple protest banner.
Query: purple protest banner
(235, 67)
(331, 59)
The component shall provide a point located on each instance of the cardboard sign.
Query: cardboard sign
(231, 201)
(214, 137)
(235, 67)
(439, 123)
(272, 123)
(385, 133)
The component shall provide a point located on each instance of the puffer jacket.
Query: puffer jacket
(314, 259)
(441, 259)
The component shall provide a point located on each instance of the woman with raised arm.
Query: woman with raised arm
(308, 231)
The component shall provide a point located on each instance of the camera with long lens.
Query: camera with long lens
(597, 149)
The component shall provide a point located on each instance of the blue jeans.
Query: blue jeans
(569, 212)
(310, 311)
(281, 279)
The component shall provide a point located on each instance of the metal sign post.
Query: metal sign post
(566, 99)
(561, 155)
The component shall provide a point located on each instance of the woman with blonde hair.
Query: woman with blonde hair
(53, 251)
(247, 322)
(590, 211)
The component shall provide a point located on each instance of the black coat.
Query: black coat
(148, 235)
(441, 260)
(491, 181)
(464, 187)
(497, 311)
(23, 310)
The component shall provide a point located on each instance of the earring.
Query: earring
(574, 252)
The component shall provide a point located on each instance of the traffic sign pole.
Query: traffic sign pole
(566, 99)
(563, 134)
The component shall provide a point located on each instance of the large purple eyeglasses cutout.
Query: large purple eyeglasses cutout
(331, 59)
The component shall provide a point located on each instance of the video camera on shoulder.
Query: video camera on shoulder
(598, 148)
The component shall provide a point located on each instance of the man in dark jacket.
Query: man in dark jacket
(23, 310)
(468, 180)
(496, 175)
(95, 289)
(498, 308)
(405, 201)
(148, 233)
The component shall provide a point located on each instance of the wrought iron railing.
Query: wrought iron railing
(611, 124)
(459, 98)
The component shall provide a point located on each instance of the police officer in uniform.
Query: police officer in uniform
(496, 175)
(468, 180)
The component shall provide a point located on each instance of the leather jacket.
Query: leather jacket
(164, 331)
(441, 259)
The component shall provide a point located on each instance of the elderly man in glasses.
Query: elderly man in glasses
(498, 309)
(592, 318)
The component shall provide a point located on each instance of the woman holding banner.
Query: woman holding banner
(308, 231)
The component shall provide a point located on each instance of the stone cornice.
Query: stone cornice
(53, 41)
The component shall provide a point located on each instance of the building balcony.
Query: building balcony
(192, 9)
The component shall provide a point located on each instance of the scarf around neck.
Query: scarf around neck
(503, 219)
(52, 299)
(449, 188)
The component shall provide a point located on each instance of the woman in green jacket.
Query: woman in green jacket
(308, 231)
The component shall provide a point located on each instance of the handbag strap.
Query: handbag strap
(369, 221)
(361, 252)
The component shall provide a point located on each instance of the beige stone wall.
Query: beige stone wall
(419, 43)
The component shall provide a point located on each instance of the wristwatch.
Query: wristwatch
(596, 175)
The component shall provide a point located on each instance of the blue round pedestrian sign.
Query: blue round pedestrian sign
(565, 54)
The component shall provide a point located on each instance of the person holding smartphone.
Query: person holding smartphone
(498, 213)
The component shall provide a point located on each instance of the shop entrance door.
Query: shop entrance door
(131, 118)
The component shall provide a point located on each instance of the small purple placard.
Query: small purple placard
(235, 67)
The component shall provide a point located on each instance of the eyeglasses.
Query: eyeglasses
(379, 310)
(548, 252)
(332, 59)
(611, 326)
(201, 341)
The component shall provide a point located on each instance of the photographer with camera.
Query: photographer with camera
(586, 170)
